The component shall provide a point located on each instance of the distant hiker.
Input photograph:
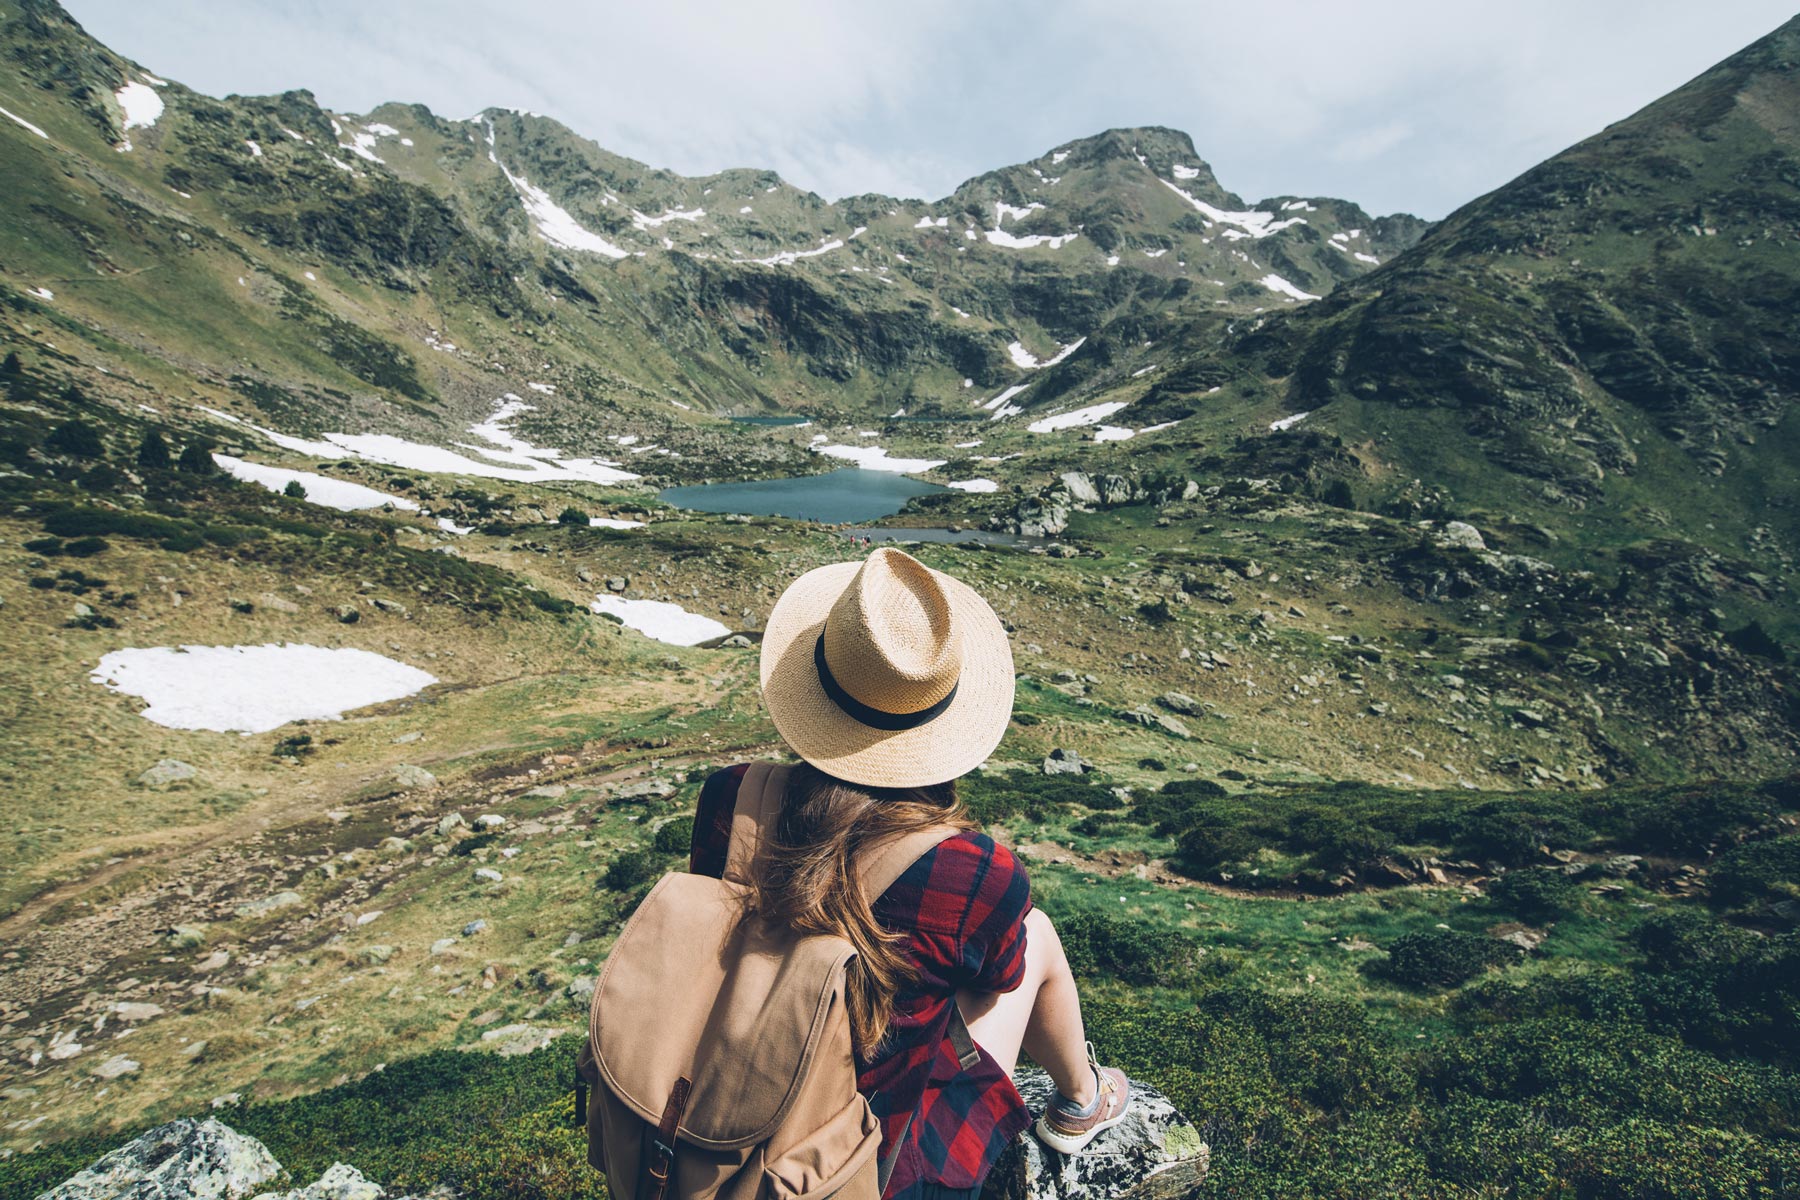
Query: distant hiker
(846, 942)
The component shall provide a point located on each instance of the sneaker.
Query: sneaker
(1068, 1128)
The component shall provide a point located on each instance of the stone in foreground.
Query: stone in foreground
(184, 1159)
(1155, 1153)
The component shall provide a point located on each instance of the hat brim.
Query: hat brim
(953, 743)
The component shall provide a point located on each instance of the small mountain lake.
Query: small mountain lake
(773, 421)
(851, 494)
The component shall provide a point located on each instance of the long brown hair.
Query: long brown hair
(808, 879)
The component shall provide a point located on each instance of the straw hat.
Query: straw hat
(887, 673)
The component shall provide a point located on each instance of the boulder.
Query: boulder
(581, 989)
(348, 614)
(256, 908)
(165, 772)
(1155, 1153)
(1065, 762)
(116, 1066)
(1459, 534)
(617, 583)
(341, 1182)
(178, 1161)
(1179, 702)
(1081, 487)
(449, 821)
(409, 776)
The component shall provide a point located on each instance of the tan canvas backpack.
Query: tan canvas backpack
(719, 1051)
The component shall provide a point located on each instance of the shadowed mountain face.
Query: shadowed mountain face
(1625, 308)
(367, 245)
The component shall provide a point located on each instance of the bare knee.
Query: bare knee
(1043, 948)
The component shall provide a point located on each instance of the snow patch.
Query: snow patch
(141, 105)
(875, 458)
(255, 150)
(340, 494)
(449, 526)
(640, 221)
(974, 485)
(43, 293)
(928, 223)
(17, 119)
(1058, 157)
(1182, 172)
(1288, 422)
(1276, 283)
(1254, 223)
(789, 257)
(999, 237)
(1114, 433)
(1024, 359)
(661, 620)
(613, 523)
(1003, 210)
(1003, 397)
(1092, 415)
(252, 689)
(546, 388)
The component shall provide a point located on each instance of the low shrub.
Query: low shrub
(675, 836)
(1754, 871)
(1536, 894)
(1441, 958)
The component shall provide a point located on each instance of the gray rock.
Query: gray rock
(341, 1182)
(448, 822)
(1179, 702)
(409, 776)
(183, 1160)
(474, 927)
(646, 789)
(489, 820)
(167, 771)
(348, 614)
(488, 875)
(585, 575)
(1459, 534)
(1151, 719)
(581, 989)
(617, 583)
(1081, 487)
(1155, 1153)
(186, 937)
(394, 607)
(736, 641)
(509, 1040)
(135, 1010)
(256, 908)
(442, 944)
(1065, 762)
(116, 1066)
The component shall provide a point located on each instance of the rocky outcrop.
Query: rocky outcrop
(1155, 1153)
(203, 1160)
(183, 1160)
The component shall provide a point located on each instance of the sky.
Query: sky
(1399, 105)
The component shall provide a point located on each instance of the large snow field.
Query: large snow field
(662, 620)
(252, 689)
(340, 494)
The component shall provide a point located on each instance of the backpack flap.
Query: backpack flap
(737, 1009)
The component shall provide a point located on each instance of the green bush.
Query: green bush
(295, 490)
(1536, 894)
(75, 438)
(153, 452)
(572, 516)
(1144, 953)
(1440, 958)
(1212, 846)
(633, 868)
(1765, 870)
(675, 836)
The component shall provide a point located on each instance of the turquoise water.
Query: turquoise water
(771, 420)
(851, 494)
(959, 537)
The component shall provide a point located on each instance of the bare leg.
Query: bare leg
(1042, 1015)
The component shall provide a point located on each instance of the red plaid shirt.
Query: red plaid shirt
(963, 908)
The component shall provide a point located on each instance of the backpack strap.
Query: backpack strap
(883, 864)
(753, 817)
